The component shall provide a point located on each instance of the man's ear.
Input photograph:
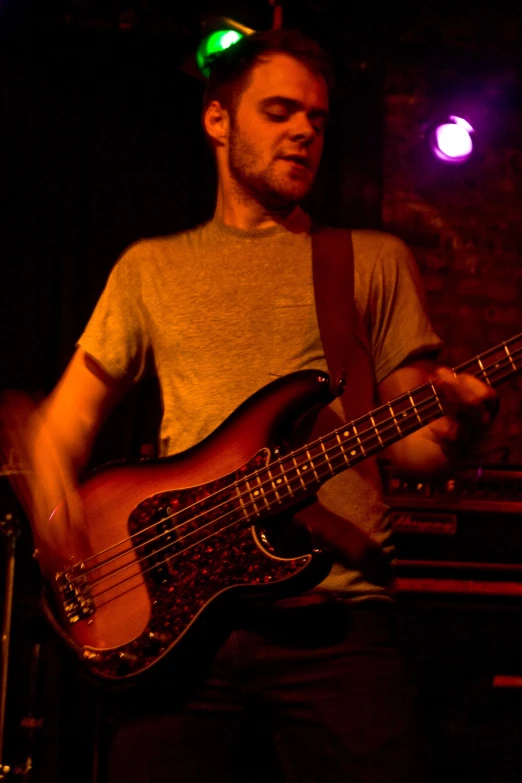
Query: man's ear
(216, 121)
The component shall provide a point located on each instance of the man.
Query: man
(219, 312)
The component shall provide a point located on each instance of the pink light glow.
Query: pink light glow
(451, 142)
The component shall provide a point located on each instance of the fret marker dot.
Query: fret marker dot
(353, 453)
(256, 492)
(279, 481)
(346, 433)
(305, 467)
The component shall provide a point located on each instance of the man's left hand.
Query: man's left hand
(470, 406)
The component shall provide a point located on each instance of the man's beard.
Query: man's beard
(273, 191)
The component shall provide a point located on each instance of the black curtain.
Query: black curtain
(101, 145)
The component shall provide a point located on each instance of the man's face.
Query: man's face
(276, 135)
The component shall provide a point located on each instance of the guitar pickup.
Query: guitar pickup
(76, 596)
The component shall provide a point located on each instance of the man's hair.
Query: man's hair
(230, 70)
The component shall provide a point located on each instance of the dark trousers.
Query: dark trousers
(301, 695)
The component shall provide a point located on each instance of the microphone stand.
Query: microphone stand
(10, 530)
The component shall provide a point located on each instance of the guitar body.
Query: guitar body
(164, 538)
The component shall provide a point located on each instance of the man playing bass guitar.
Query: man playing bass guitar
(219, 312)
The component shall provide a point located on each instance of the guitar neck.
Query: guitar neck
(304, 470)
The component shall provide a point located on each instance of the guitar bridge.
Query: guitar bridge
(76, 596)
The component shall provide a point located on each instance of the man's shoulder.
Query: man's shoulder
(168, 241)
(379, 249)
(371, 239)
(154, 249)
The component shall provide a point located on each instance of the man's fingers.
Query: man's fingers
(465, 397)
(462, 390)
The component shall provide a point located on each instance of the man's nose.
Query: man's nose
(302, 128)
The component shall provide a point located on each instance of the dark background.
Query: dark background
(100, 144)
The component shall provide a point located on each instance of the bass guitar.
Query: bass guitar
(165, 538)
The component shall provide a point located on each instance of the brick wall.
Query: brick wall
(464, 223)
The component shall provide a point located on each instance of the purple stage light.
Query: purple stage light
(451, 142)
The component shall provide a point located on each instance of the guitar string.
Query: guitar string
(507, 360)
(436, 413)
(296, 467)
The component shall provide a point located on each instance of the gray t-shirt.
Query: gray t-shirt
(221, 312)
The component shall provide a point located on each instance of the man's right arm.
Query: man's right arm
(52, 441)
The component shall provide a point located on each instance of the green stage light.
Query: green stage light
(213, 44)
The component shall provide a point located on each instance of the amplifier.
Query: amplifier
(459, 535)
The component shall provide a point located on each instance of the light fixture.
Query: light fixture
(451, 141)
(219, 34)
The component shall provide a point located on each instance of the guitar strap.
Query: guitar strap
(332, 264)
(333, 276)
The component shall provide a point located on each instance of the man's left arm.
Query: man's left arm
(470, 406)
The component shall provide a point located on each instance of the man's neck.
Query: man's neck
(249, 214)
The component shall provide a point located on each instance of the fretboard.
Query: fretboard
(301, 472)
